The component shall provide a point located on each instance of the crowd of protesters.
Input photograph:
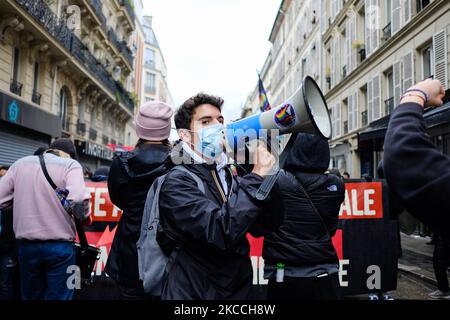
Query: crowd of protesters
(206, 209)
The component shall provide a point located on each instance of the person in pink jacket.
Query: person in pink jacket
(43, 228)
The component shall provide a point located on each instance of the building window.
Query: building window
(150, 81)
(427, 62)
(36, 96)
(15, 85)
(149, 57)
(149, 35)
(389, 102)
(62, 108)
(421, 4)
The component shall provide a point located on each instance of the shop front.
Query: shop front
(93, 155)
(24, 128)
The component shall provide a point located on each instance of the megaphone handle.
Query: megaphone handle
(268, 183)
(266, 186)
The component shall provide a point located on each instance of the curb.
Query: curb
(407, 270)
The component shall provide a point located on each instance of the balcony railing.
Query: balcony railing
(92, 134)
(15, 87)
(364, 118)
(130, 10)
(387, 31)
(105, 140)
(121, 46)
(40, 11)
(344, 71)
(345, 127)
(36, 97)
(81, 127)
(96, 5)
(389, 105)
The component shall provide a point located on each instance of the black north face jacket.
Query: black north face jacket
(213, 259)
(304, 238)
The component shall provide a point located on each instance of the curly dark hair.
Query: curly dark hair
(184, 114)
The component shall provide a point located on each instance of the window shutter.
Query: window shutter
(353, 32)
(355, 111)
(407, 11)
(367, 29)
(338, 58)
(338, 120)
(309, 15)
(440, 57)
(369, 101)
(397, 69)
(332, 63)
(350, 112)
(323, 18)
(333, 9)
(347, 46)
(408, 71)
(339, 6)
(376, 98)
(375, 25)
(333, 133)
(396, 16)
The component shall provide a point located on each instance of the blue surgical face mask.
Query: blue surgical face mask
(211, 141)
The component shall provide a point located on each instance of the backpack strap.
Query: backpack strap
(196, 178)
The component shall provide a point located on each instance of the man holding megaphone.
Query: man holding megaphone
(208, 227)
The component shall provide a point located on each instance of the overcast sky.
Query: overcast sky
(214, 46)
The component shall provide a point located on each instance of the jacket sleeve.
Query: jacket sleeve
(272, 215)
(416, 172)
(185, 207)
(115, 184)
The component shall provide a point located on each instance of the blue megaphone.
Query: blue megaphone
(305, 111)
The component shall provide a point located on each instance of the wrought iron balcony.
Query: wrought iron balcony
(389, 105)
(129, 8)
(120, 45)
(96, 5)
(36, 97)
(387, 31)
(344, 71)
(364, 118)
(57, 28)
(15, 87)
(345, 127)
(81, 127)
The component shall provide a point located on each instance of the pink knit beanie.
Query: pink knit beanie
(152, 122)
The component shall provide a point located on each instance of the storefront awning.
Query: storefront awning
(433, 117)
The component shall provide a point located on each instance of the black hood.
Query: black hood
(310, 153)
(145, 160)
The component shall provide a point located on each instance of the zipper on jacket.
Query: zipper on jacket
(219, 186)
